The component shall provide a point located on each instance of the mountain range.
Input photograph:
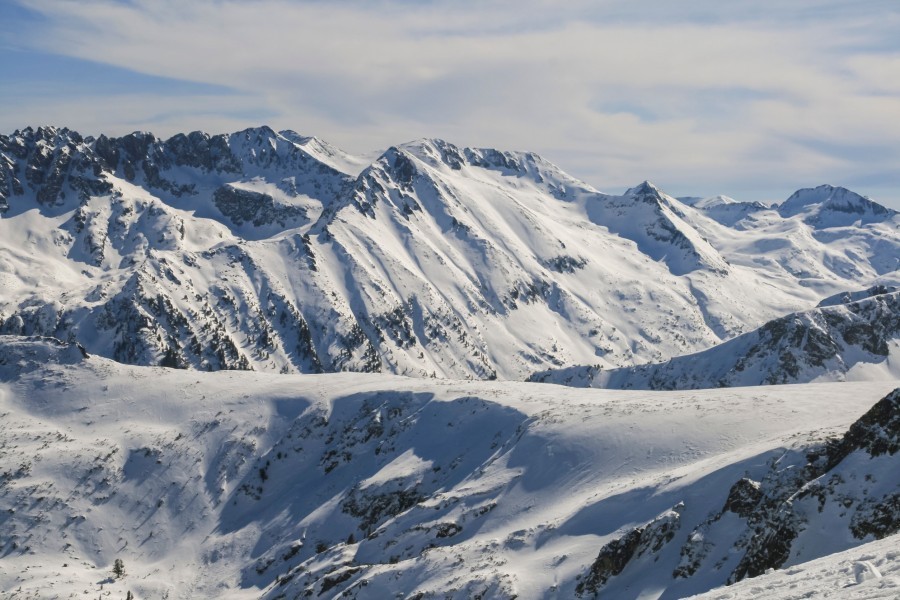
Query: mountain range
(369, 454)
(277, 252)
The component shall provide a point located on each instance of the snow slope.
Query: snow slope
(851, 336)
(869, 572)
(245, 485)
(277, 252)
(726, 210)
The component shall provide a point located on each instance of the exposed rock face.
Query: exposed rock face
(846, 476)
(769, 548)
(616, 555)
(848, 297)
(247, 206)
(877, 432)
(49, 162)
(877, 518)
(743, 497)
(613, 558)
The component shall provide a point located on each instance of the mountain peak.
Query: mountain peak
(262, 131)
(834, 206)
(298, 138)
(427, 142)
(644, 190)
(718, 200)
(49, 134)
(435, 152)
(817, 195)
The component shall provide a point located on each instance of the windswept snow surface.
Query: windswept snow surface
(869, 572)
(247, 485)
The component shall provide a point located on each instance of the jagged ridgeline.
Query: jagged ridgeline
(273, 251)
(848, 336)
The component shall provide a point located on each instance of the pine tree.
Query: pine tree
(118, 568)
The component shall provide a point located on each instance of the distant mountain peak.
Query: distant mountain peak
(297, 138)
(833, 206)
(718, 200)
(655, 222)
(645, 189)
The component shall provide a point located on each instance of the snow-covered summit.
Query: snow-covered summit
(830, 206)
(326, 153)
(719, 200)
(724, 209)
(655, 222)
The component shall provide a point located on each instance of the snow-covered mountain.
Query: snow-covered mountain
(852, 336)
(724, 209)
(248, 485)
(827, 206)
(274, 251)
(278, 252)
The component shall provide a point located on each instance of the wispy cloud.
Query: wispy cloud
(717, 97)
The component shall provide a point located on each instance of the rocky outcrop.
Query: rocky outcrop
(247, 206)
(647, 539)
(851, 479)
(876, 433)
(743, 497)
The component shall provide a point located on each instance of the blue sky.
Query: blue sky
(748, 99)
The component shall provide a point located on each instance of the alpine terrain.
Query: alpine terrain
(277, 252)
(247, 485)
(254, 365)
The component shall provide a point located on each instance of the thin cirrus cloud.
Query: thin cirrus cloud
(750, 100)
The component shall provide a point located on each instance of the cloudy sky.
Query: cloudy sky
(752, 99)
